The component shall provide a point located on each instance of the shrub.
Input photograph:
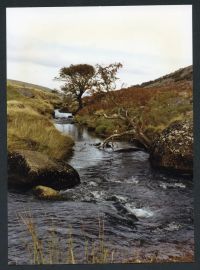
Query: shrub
(101, 129)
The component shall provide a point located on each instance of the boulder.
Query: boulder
(173, 149)
(46, 193)
(32, 168)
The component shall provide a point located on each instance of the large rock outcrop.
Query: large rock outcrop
(174, 148)
(31, 168)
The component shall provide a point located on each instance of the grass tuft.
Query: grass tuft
(47, 248)
(29, 113)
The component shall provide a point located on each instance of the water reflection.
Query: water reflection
(85, 153)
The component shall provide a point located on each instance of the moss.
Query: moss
(101, 129)
(32, 168)
(46, 193)
(174, 147)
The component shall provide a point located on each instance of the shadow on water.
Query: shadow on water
(141, 208)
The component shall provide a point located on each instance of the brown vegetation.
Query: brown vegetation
(152, 109)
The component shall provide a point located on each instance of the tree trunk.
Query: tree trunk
(80, 105)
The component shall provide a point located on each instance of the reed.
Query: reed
(50, 250)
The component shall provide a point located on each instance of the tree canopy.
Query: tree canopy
(78, 79)
(107, 76)
(83, 77)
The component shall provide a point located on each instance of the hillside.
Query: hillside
(181, 75)
(28, 85)
(29, 122)
(155, 105)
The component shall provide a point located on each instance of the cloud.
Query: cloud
(148, 40)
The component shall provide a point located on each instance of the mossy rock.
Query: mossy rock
(32, 168)
(46, 193)
(173, 149)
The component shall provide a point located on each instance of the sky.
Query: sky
(150, 41)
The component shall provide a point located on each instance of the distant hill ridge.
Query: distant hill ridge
(180, 75)
(29, 85)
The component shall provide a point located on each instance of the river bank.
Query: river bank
(171, 149)
(30, 125)
(115, 186)
(158, 118)
(35, 147)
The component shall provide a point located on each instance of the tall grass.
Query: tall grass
(50, 251)
(28, 130)
(30, 126)
(47, 249)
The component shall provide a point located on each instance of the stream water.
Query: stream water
(116, 187)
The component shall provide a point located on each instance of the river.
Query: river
(115, 187)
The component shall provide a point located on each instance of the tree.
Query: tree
(107, 77)
(78, 79)
(107, 83)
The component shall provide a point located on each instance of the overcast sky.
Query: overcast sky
(150, 41)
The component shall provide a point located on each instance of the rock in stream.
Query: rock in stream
(31, 168)
(174, 148)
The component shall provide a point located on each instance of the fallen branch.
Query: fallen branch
(141, 138)
(111, 138)
(136, 128)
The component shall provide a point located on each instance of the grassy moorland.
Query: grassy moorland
(29, 112)
(153, 106)
(29, 85)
